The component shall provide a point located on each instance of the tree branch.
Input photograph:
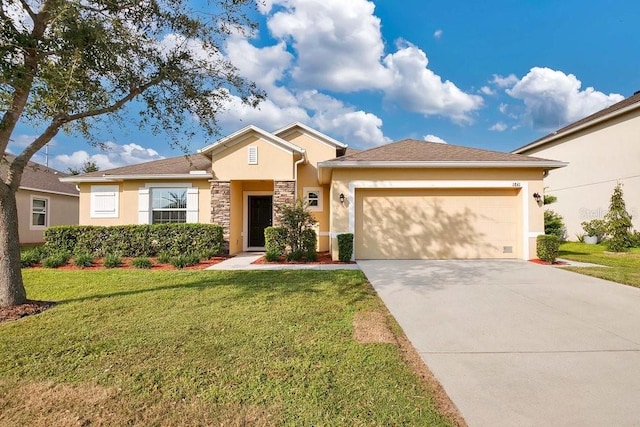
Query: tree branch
(27, 8)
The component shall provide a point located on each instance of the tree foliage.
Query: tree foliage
(618, 223)
(88, 166)
(554, 224)
(69, 65)
(295, 218)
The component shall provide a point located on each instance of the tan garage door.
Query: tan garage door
(437, 224)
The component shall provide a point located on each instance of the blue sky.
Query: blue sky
(493, 74)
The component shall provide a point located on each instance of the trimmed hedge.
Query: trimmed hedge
(547, 247)
(309, 243)
(345, 247)
(275, 242)
(135, 240)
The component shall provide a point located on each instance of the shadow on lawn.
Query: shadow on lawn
(561, 253)
(255, 283)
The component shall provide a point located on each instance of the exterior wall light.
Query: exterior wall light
(342, 198)
(537, 197)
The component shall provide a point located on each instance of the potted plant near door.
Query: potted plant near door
(594, 231)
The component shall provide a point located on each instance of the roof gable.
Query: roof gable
(246, 132)
(319, 136)
(40, 178)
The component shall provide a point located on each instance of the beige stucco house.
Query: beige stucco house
(409, 199)
(602, 150)
(43, 201)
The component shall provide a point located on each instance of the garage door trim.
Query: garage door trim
(523, 186)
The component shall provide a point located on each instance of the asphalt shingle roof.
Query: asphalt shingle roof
(172, 165)
(40, 177)
(411, 150)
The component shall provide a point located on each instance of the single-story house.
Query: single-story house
(602, 149)
(408, 199)
(42, 200)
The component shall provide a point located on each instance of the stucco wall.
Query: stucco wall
(62, 210)
(128, 204)
(598, 157)
(273, 162)
(525, 182)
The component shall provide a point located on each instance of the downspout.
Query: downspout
(303, 159)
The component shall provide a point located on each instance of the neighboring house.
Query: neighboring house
(42, 201)
(409, 199)
(602, 150)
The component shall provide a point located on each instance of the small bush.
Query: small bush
(182, 261)
(56, 259)
(635, 239)
(547, 247)
(275, 242)
(112, 261)
(295, 255)
(309, 243)
(345, 247)
(595, 227)
(164, 258)
(554, 224)
(141, 262)
(207, 254)
(272, 256)
(30, 257)
(84, 259)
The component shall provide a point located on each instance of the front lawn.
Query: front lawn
(619, 267)
(204, 348)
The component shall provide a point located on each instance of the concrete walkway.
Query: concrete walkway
(519, 344)
(244, 260)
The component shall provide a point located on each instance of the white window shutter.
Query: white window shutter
(143, 206)
(104, 201)
(192, 204)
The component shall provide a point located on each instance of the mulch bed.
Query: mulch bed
(539, 261)
(322, 258)
(27, 309)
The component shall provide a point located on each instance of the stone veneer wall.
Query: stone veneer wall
(221, 209)
(283, 193)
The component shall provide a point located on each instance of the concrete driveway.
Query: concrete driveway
(517, 344)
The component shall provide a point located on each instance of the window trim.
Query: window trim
(192, 212)
(47, 202)
(318, 190)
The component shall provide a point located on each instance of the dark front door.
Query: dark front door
(260, 212)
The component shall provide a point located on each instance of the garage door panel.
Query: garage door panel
(436, 224)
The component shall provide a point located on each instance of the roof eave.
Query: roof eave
(118, 178)
(227, 141)
(313, 132)
(444, 164)
(555, 136)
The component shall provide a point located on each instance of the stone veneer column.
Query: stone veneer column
(283, 193)
(221, 209)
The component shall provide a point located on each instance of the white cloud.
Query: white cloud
(501, 81)
(499, 127)
(416, 88)
(437, 34)
(113, 156)
(487, 90)
(433, 138)
(553, 99)
(503, 108)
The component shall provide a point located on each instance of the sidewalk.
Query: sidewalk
(244, 260)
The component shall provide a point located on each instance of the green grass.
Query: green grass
(618, 267)
(128, 347)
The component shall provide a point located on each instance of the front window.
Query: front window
(38, 212)
(168, 205)
(313, 198)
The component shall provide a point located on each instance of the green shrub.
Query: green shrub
(182, 261)
(345, 247)
(56, 259)
(164, 258)
(144, 240)
(208, 254)
(141, 262)
(30, 257)
(83, 259)
(275, 242)
(635, 239)
(294, 219)
(309, 243)
(112, 260)
(618, 223)
(272, 256)
(595, 227)
(547, 247)
(295, 255)
(554, 224)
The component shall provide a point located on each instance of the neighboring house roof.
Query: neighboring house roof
(241, 135)
(622, 107)
(310, 131)
(181, 167)
(37, 177)
(412, 153)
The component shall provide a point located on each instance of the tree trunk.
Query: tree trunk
(11, 287)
